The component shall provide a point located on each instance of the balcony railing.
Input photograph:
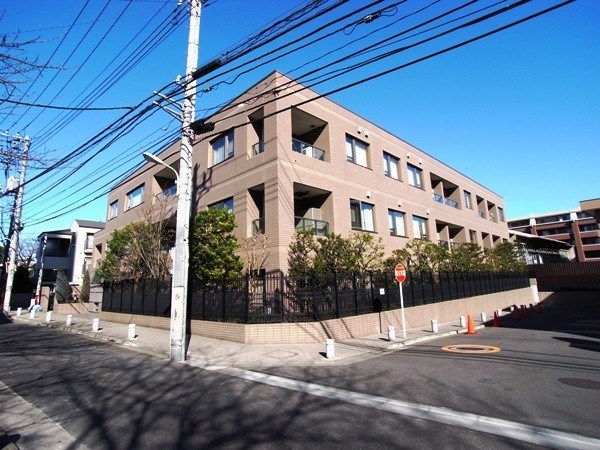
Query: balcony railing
(258, 226)
(482, 214)
(317, 227)
(444, 200)
(308, 149)
(167, 192)
(258, 148)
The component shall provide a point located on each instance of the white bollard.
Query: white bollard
(32, 302)
(483, 317)
(512, 309)
(48, 316)
(19, 311)
(69, 319)
(32, 314)
(434, 325)
(462, 321)
(96, 324)
(131, 331)
(329, 348)
(391, 333)
(499, 312)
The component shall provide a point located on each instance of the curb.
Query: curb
(5, 442)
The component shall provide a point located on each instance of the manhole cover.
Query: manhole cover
(473, 349)
(282, 355)
(580, 382)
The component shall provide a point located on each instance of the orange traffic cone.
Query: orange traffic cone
(470, 327)
(525, 311)
(517, 315)
(496, 320)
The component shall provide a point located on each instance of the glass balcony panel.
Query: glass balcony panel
(258, 226)
(167, 192)
(316, 227)
(258, 148)
(309, 150)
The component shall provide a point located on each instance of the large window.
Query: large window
(415, 177)
(420, 227)
(135, 197)
(390, 166)
(361, 216)
(226, 204)
(357, 151)
(396, 221)
(501, 215)
(473, 236)
(113, 209)
(222, 148)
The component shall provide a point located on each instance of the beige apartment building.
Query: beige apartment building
(282, 158)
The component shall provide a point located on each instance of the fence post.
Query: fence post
(247, 299)
(387, 293)
(355, 293)
(412, 286)
(372, 290)
(441, 278)
(281, 288)
(223, 287)
(314, 296)
(122, 283)
(335, 293)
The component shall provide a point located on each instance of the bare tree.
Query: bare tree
(256, 253)
(15, 65)
(27, 253)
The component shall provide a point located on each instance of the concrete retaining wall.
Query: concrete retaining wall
(571, 298)
(338, 329)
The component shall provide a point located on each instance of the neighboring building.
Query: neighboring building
(283, 160)
(543, 250)
(70, 250)
(578, 227)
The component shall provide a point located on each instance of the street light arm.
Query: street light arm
(155, 159)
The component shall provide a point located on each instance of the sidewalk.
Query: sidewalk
(204, 351)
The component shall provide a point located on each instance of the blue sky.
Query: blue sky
(518, 111)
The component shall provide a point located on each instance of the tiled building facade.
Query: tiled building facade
(579, 227)
(283, 161)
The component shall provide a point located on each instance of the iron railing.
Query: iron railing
(308, 149)
(279, 298)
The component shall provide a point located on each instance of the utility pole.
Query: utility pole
(38, 288)
(17, 226)
(179, 292)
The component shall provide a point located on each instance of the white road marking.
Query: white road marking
(499, 427)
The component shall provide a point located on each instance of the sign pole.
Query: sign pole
(402, 310)
(400, 274)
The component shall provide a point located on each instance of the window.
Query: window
(113, 209)
(390, 166)
(420, 227)
(222, 148)
(468, 203)
(473, 236)
(226, 204)
(356, 151)
(415, 176)
(89, 241)
(501, 214)
(135, 197)
(361, 216)
(396, 221)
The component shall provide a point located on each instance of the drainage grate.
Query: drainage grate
(580, 382)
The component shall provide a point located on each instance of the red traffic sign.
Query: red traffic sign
(400, 273)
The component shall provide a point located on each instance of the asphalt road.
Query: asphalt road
(107, 397)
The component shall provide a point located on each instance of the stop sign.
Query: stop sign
(400, 273)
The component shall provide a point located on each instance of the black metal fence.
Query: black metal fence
(276, 298)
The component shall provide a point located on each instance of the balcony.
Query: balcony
(258, 226)
(482, 214)
(307, 149)
(167, 192)
(445, 201)
(258, 148)
(316, 227)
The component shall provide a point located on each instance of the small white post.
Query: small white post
(131, 331)
(69, 319)
(499, 312)
(19, 311)
(434, 325)
(462, 321)
(48, 316)
(32, 313)
(391, 333)
(512, 309)
(329, 348)
(483, 317)
(32, 302)
(96, 324)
